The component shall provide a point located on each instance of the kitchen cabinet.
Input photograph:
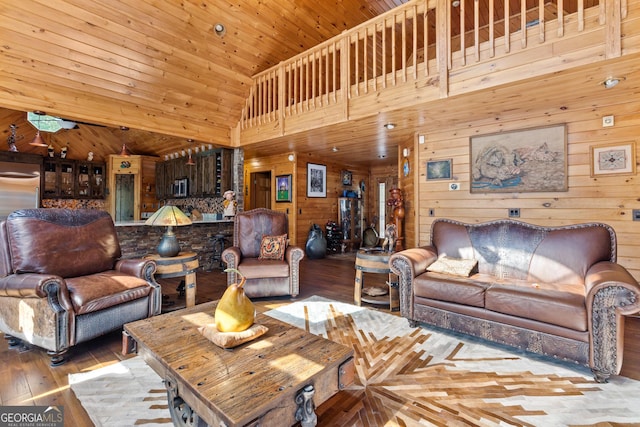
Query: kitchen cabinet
(211, 175)
(90, 181)
(131, 183)
(350, 221)
(73, 179)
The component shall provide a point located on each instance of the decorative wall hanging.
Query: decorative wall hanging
(283, 185)
(346, 177)
(528, 160)
(439, 169)
(316, 180)
(613, 159)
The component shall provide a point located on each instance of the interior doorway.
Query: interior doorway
(260, 190)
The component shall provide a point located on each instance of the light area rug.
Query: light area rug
(404, 377)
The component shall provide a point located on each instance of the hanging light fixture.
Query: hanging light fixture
(190, 161)
(38, 141)
(125, 151)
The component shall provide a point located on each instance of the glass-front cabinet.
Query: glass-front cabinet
(350, 221)
(59, 178)
(70, 179)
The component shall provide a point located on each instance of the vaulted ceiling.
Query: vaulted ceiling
(158, 68)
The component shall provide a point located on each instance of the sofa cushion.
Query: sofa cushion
(252, 268)
(453, 266)
(444, 287)
(273, 247)
(101, 290)
(557, 304)
(588, 243)
(54, 241)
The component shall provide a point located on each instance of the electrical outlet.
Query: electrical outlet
(607, 121)
(454, 186)
(636, 214)
(514, 212)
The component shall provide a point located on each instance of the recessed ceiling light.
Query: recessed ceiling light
(334, 149)
(455, 3)
(612, 82)
(219, 29)
(390, 126)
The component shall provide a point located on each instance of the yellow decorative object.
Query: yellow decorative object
(234, 312)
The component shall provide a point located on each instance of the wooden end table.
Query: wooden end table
(184, 264)
(275, 380)
(375, 261)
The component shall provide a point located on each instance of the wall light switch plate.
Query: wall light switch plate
(454, 186)
(607, 121)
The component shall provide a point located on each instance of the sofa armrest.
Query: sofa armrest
(407, 265)
(28, 285)
(231, 256)
(138, 267)
(293, 255)
(34, 285)
(611, 293)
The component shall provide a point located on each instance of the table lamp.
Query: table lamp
(170, 216)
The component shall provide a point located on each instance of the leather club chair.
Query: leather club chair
(265, 277)
(62, 281)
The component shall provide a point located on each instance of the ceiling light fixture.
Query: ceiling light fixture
(219, 29)
(390, 126)
(291, 157)
(612, 82)
(455, 3)
(190, 161)
(37, 140)
(334, 149)
(125, 151)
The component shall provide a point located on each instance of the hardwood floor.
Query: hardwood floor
(27, 379)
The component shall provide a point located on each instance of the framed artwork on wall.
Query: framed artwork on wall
(347, 177)
(283, 188)
(613, 159)
(527, 160)
(316, 180)
(439, 169)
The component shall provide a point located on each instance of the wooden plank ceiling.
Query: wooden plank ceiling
(158, 68)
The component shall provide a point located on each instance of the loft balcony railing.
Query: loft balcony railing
(428, 45)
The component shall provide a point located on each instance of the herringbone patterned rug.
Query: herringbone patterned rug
(405, 377)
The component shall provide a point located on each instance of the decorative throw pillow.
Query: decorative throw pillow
(454, 266)
(273, 247)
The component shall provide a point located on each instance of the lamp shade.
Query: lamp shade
(168, 216)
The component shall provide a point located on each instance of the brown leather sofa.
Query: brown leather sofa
(556, 291)
(62, 282)
(264, 278)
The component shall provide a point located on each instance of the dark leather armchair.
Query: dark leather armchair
(264, 277)
(62, 281)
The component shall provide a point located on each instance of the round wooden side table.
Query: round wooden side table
(375, 261)
(184, 264)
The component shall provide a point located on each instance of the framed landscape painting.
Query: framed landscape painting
(528, 160)
(283, 188)
(316, 180)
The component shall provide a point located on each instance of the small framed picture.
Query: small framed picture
(439, 169)
(283, 188)
(347, 177)
(613, 159)
(316, 180)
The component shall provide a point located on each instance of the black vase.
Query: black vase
(316, 247)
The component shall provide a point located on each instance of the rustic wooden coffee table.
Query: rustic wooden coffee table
(275, 380)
